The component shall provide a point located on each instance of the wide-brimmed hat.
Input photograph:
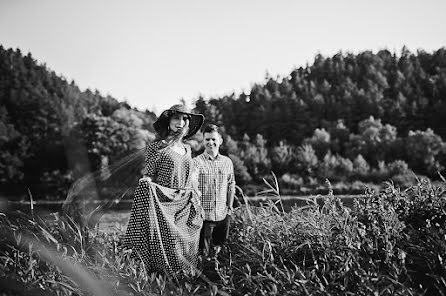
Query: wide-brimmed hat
(195, 120)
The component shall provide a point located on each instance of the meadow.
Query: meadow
(391, 242)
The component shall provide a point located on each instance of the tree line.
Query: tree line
(352, 119)
(51, 132)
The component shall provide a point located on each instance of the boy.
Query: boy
(217, 186)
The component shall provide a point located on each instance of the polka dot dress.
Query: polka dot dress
(166, 216)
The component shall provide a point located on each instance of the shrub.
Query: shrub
(291, 181)
(423, 149)
(360, 165)
(391, 243)
(398, 167)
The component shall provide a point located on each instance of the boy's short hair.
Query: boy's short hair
(210, 128)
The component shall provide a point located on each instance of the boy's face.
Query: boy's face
(212, 142)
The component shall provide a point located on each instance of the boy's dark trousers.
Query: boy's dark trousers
(213, 233)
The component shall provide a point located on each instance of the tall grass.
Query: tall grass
(388, 243)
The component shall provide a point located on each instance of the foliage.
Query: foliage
(320, 141)
(374, 140)
(404, 89)
(240, 171)
(391, 243)
(358, 112)
(106, 139)
(307, 159)
(423, 149)
(281, 158)
(346, 105)
(255, 156)
(38, 111)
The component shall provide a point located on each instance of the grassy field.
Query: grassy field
(114, 221)
(391, 243)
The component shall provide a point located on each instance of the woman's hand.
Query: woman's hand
(145, 180)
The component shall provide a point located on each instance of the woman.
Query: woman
(166, 216)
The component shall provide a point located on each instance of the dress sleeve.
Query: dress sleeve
(152, 154)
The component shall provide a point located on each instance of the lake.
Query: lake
(117, 218)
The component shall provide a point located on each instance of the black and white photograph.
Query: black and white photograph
(240, 148)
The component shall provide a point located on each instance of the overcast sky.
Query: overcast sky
(153, 53)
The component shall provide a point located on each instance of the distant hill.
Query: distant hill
(39, 110)
(352, 118)
(406, 90)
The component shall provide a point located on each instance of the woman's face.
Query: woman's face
(178, 121)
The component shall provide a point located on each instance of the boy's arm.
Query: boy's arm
(195, 177)
(231, 187)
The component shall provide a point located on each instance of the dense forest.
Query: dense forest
(51, 132)
(355, 120)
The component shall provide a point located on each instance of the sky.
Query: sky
(154, 53)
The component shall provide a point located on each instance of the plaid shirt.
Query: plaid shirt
(216, 183)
